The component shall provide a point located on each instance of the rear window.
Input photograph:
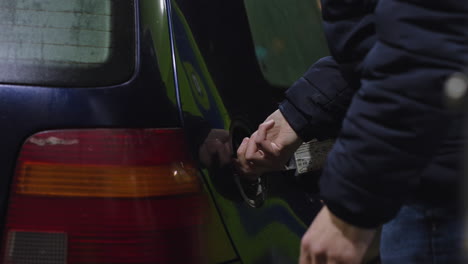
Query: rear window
(76, 43)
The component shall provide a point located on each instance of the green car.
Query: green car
(114, 114)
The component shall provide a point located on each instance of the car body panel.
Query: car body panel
(270, 233)
(193, 60)
(146, 100)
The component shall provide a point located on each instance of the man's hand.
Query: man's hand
(330, 240)
(269, 148)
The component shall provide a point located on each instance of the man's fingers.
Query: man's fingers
(252, 154)
(262, 130)
(314, 255)
(241, 162)
(304, 258)
(257, 157)
(269, 148)
(242, 148)
(322, 259)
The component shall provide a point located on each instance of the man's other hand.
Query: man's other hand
(330, 240)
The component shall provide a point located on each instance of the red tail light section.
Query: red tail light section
(105, 196)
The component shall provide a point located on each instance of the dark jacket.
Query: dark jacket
(382, 94)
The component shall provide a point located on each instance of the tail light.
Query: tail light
(105, 196)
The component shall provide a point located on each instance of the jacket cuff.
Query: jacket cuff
(348, 217)
(304, 128)
(295, 119)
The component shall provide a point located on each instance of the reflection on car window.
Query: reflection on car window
(287, 36)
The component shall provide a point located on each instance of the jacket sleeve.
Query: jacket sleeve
(350, 30)
(396, 122)
(316, 104)
(393, 78)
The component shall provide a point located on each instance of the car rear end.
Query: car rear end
(95, 166)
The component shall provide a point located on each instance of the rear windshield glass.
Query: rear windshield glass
(75, 43)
